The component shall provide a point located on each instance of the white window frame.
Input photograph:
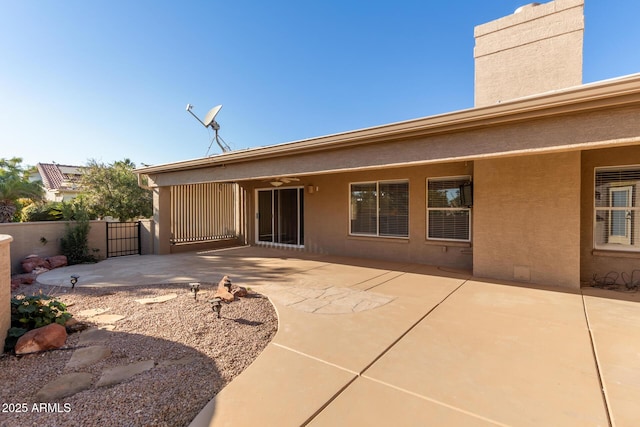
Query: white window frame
(615, 243)
(377, 233)
(466, 178)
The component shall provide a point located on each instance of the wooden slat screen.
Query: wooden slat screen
(205, 212)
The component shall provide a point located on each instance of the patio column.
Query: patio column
(526, 219)
(162, 220)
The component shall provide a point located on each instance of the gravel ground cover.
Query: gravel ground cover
(195, 355)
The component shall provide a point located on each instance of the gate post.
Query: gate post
(107, 225)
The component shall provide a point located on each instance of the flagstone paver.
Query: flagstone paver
(93, 335)
(64, 385)
(83, 357)
(106, 318)
(92, 312)
(326, 300)
(119, 374)
(156, 300)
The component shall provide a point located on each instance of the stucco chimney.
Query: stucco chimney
(536, 49)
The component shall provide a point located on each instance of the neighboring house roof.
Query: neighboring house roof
(60, 177)
(612, 93)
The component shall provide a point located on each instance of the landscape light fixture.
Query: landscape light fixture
(195, 287)
(74, 279)
(216, 305)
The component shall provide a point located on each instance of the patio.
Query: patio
(368, 342)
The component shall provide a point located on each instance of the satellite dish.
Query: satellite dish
(210, 118)
(210, 121)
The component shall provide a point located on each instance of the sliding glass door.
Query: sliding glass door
(280, 216)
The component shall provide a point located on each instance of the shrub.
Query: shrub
(32, 312)
(51, 211)
(75, 242)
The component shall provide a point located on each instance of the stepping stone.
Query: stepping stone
(186, 360)
(94, 335)
(155, 300)
(63, 386)
(122, 373)
(88, 356)
(106, 318)
(92, 312)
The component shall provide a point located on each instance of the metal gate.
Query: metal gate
(123, 238)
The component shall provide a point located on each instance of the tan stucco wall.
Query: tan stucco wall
(326, 217)
(536, 50)
(27, 235)
(5, 287)
(527, 219)
(595, 129)
(602, 262)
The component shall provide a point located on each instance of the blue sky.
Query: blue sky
(107, 80)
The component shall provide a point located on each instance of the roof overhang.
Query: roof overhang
(619, 92)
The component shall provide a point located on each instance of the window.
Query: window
(617, 208)
(447, 217)
(380, 208)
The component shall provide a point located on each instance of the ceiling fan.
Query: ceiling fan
(280, 180)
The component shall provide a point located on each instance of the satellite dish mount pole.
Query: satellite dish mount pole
(210, 121)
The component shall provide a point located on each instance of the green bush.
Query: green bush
(32, 312)
(51, 211)
(75, 242)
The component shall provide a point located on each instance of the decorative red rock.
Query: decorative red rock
(45, 338)
(239, 291)
(32, 262)
(57, 261)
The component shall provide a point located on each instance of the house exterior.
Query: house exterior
(61, 182)
(538, 183)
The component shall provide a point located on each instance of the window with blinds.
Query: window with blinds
(617, 208)
(380, 208)
(447, 217)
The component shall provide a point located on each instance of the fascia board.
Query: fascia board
(606, 94)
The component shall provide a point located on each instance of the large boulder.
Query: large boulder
(46, 338)
(33, 262)
(57, 261)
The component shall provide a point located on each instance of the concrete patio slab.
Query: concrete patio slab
(480, 354)
(281, 388)
(448, 349)
(353, 341)
(615, 326)
(369, 403)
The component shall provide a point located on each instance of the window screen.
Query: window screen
(447, 218)
(380, 209)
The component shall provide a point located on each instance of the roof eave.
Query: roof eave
(608, 93)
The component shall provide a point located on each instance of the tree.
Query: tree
(14, 186)
(113, 190)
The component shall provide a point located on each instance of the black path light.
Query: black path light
(216, 305)
(195, 287)
(74, 279)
